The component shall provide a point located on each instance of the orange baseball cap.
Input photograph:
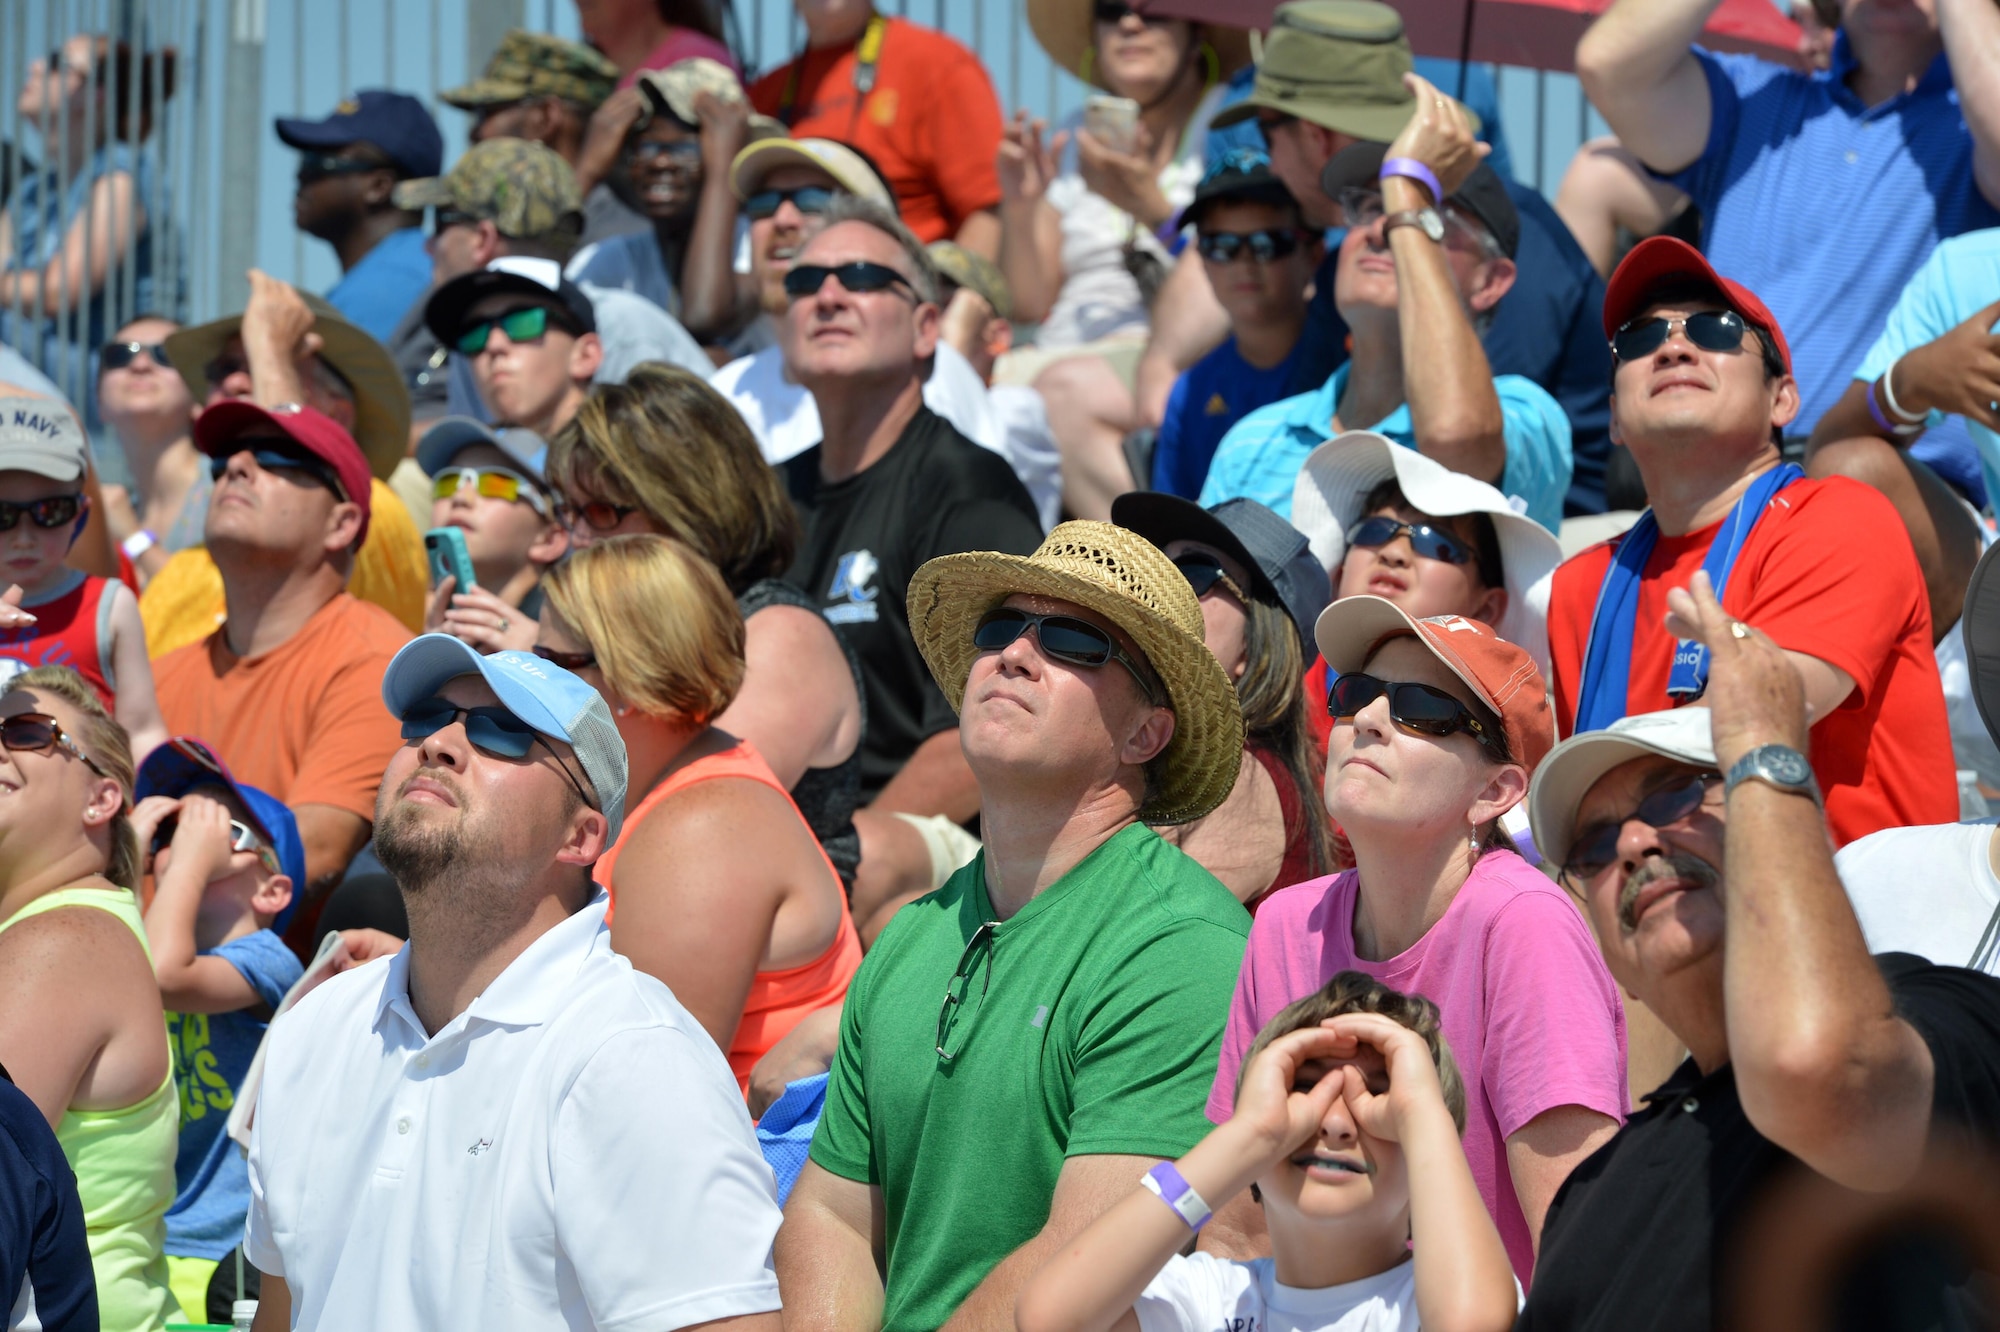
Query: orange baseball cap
(1500, 674)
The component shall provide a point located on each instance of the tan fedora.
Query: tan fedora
(1124, 578)
(1063, 30)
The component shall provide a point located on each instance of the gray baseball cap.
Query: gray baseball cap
(1279, 557)
(454, 434)
(40, 435)
(544, 695)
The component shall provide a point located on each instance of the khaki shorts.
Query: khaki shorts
(1023, 364)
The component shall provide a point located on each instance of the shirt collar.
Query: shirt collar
(526, 993)
(1314, 411)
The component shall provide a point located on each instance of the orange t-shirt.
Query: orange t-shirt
(932, 122)
(778, 1000)
(1827, 571)
(304, 722)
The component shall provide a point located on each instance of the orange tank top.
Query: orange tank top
(778, 1000)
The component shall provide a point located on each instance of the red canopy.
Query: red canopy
(1537, 34)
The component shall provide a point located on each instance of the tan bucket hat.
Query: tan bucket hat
(1063, 30)
(1126, 579)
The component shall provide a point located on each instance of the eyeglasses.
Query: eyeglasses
(495, 731)
(53, 512)
(569, 661)
(1429, 542)
(960, 985)
(314, 167)
(39, 733)
(488, 483)
(812, 200)
(272, 457)
(444, 219)
(859, 277)
(1710, 330)
(1596, 847)
(598, 515)
(1115, 11)
(1266, 246)
(1064, 637)
(1416, 708)
(520, 325)
(242, 837)
(1363, 208)
(118, 355)
(680, 152)
(1205, 572)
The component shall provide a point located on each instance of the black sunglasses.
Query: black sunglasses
(1205, 572)
(569, 661)
(812, 200)
(273, 457)
(1266, 246)
(444, 219)
(53, 512)
(1064, 637)
(323, 166)
(1416, 708)
(118, 355)
(959, 987)
(1115, 11)
(859, 277)
(1710, 330)
(39, 733)
(681, 152)
(494, 730)
(1597, 846)
(1428, 542)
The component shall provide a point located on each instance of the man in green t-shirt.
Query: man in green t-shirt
(1021, 1046)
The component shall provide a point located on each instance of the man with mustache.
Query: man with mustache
(505, 1089)
(1698, 845)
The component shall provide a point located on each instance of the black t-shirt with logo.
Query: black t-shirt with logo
(934, 493)
(1644, 1236)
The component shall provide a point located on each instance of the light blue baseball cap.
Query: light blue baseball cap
(544, 695)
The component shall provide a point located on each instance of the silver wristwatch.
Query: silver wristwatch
(1776, 765)
(1425, 220)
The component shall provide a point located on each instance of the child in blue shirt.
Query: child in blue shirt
(225, 858)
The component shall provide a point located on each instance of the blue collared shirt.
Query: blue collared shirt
(1261, 455)
(376, 293)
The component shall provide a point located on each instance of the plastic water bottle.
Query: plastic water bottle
(242, 1314)
(1971, 804)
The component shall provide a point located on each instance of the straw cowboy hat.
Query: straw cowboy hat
(1124, 578)
(1063, 29)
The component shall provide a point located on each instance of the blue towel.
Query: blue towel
(785, 1133)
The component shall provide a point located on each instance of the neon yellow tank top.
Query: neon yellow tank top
(124, 1164)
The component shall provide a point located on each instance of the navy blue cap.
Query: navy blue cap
(1282, 569)
(184, 763)
(397, 123)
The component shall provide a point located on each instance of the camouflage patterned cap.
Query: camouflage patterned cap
(523, 188)
(961, 267)
(534, 64)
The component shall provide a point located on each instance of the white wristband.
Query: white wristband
(138, 543)
(1889, 397)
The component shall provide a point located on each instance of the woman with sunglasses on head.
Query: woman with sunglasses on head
(718, 886)
(665, 453)
(147, 406)
(1260, 591)
(1438, 726)
(1086, 215)
(92, 1056)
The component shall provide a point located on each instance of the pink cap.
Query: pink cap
(217, 429)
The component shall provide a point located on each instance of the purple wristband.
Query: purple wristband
(1882, 417)
(1411, 169)
(1173, 1190)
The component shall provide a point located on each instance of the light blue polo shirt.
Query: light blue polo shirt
(1261, 455)
(376, 293)
(1961, 278)
(1825, 207)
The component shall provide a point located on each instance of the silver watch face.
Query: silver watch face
(1786, 765)
(1432, 224)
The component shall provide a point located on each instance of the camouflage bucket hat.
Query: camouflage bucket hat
(534, 64)
(523, 188)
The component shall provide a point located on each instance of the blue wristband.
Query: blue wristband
(1166, 1183)
(1411, 169)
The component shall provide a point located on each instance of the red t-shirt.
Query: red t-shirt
(1828, 571)
(932, 123)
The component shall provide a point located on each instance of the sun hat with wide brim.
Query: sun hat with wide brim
(381, 398)
(1574, 766)
(1336, 479)
(1124, 578)
(1063, 30)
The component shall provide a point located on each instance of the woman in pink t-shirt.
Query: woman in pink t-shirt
(1438, 725)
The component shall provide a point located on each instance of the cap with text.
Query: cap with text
(40, 435)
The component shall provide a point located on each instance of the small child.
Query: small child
(224, 859)
(54, 615)
(1347, 1119)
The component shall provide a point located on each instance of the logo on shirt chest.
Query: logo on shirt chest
(852, 593)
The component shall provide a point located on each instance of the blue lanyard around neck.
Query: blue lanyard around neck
(1607, 660)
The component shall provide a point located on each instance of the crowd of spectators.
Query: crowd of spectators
(801, 687)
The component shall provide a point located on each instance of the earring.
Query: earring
(1211, 62)
(1087, 64)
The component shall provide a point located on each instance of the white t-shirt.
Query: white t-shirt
(1201, 1293)
(1031, 447)
(569, 1152)
(1929, 891)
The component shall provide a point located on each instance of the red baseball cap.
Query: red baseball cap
(1662, 259)
(217, 429)
(1499, 674)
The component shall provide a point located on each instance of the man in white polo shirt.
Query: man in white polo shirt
(503, 1126)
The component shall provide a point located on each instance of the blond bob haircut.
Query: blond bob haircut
(667, 444)
(665, 630)
(1355, 992)
(100, 736)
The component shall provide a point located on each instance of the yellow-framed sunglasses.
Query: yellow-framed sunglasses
(490, 483)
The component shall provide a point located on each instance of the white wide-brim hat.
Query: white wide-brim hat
(1337, 476)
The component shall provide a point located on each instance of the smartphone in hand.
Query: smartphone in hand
(449, 559)
(1112, 121)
